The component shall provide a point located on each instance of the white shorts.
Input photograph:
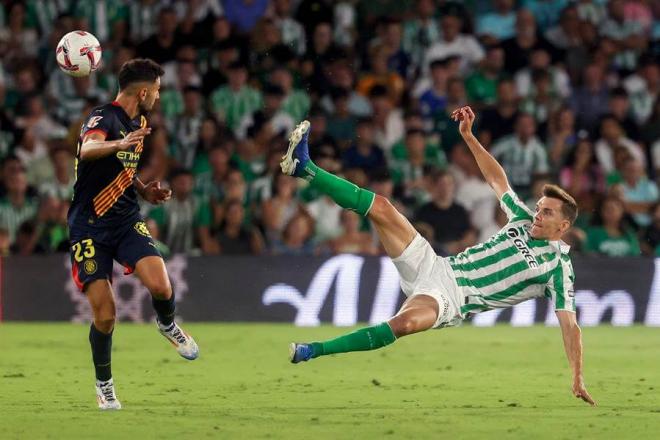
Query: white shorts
(423, 272)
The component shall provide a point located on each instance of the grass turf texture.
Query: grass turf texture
(465, 383)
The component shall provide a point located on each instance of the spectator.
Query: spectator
(498, 120)
(628, 35)
(619, 108)
(185, 128)
(281, 208)
(450, 221)
(341, 124)
(388, 119)
(269, 121)
(562, 136)
(342, 76)
(589, 102)
(60, 187)
(17, 206)
(184, 222)
(296, 102)
(499, 24)
(639, 193)
(539, 60)
(434, 98)
(609, 235)
(566, 35)
(582, 176)
(398, 60)
(517, 50)
(352, 240)
(163, 45)
(234, 101)
(421, 31)
(293, 34)
(381, 75)
(545, 12)
(364, 153)
(522, 155)
(409, 161)
(453, 42)
(481, 85)
(234, 237)
(244, 14)
(443, 125)
(611, 138)
(644, 89)
(296, 237)
(542, 101)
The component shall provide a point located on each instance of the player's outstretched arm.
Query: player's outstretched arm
(95, 146)
(490, 168)
(573, 345)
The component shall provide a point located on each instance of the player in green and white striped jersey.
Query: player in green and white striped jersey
(526, 259)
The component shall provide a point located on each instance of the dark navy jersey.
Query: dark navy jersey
(103, 194)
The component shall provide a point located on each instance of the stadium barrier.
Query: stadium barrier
(342, 290)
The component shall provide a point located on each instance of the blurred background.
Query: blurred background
(565, 91)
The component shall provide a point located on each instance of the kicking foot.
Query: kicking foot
(296, 157)
(105, 395)
(184, 343)
(300, 352)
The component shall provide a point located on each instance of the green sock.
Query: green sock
(344, 193)
(368, 338)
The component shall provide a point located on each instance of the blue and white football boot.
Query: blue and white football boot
(300, 352)
(296, 157)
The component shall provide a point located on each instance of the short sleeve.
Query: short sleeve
(99, 120)
(560, 287)
(514, 208)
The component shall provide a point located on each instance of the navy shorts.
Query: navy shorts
(93, 250)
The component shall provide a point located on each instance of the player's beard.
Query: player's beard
(142, 108)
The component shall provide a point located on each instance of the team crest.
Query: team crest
(141, 228)
(90, 267)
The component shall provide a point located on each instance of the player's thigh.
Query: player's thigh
(394, 230)
(152, 273)
(418, 313)
(91, 257)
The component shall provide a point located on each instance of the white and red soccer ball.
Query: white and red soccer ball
(78, 53)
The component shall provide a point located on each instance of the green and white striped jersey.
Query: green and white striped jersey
(512, 267)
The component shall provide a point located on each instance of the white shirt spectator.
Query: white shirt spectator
(605, 153)
(521, 161)
(465, 46)
(393, 132)
(561, 83)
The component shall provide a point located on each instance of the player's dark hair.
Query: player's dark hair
(569, 207)
(139, 70)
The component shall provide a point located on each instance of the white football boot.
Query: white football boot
(184, 343)
(105, 395)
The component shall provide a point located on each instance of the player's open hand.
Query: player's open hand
(154, 194)
(466, 118)
(134, 138)
(580, 391)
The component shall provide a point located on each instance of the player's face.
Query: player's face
(151, 95)
(549, 223)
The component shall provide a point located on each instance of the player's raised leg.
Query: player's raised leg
(153, 274)
(99, 295)
(395, 233)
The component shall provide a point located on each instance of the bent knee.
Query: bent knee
(105, 324)
(408, 324)
(160, 289)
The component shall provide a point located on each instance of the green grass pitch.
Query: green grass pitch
(465, 383)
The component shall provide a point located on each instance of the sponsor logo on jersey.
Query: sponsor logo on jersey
(520, 244)
(93, 121)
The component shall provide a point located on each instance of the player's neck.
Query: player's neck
(129, 104)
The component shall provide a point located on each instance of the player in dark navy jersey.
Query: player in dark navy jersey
(105, 223)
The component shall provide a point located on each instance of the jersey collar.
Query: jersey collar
(560, 245)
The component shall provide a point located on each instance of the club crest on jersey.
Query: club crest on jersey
(519, 243)
(90, 267)
(141, 228)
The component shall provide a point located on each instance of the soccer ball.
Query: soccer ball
(78, 53)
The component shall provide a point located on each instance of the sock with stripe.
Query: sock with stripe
(368, 338)
(101, 349)
(344, 193)
(165, 309)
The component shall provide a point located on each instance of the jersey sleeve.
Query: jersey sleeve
(514, 208)
(560, 287)
(99, 121)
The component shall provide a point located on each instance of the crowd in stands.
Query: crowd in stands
(564, 91)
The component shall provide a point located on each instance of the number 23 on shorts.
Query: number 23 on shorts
(83, 249)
